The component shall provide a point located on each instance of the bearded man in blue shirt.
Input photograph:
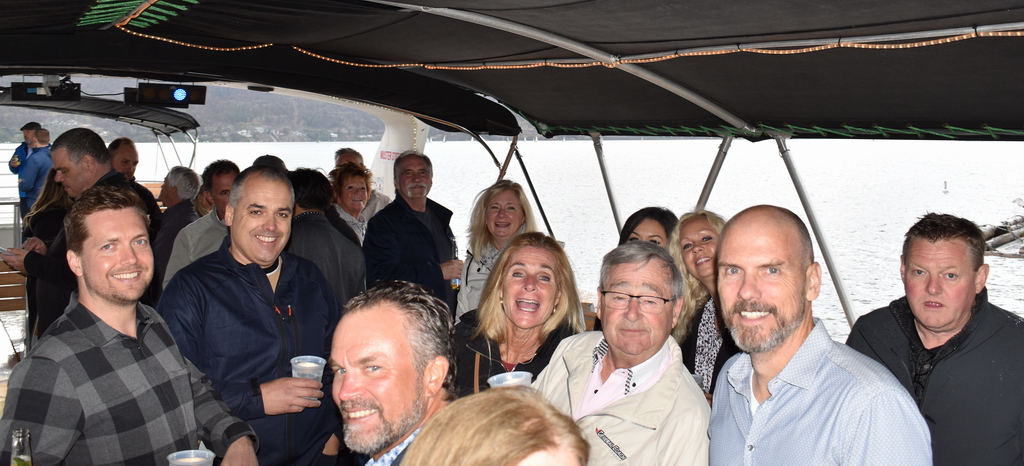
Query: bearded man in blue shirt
(794, 396)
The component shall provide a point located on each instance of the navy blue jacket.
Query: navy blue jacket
(398, 246)
(224, 317)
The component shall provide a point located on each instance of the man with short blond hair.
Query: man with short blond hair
(957, 354)
(626, 386)
(794, 396)
(82, 161)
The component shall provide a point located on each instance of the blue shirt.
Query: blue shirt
(829, 405)
(34, 168)
(387, 459)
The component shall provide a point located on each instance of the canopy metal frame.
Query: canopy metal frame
(709, 186)
(566, 43)
(805, 201)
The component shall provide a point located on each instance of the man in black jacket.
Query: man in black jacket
(957, 354)
(82, 161)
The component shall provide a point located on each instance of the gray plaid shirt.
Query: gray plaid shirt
(91, 395)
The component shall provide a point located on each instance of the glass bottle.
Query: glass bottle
(456, 282)
(21, 451)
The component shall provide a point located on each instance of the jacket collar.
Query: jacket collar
(252, 274)
(441, 211)
(645, 409)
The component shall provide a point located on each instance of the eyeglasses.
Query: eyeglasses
(620, 301)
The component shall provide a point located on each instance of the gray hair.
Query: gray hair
(263, 171)
(186, 180)
(410, 153)
(640, 253)
(431, 332)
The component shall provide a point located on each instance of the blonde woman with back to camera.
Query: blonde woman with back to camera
(508, 426)
(501, 212)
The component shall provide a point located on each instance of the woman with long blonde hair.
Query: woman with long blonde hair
(529, 305)
(701, 332)
(501, 211)
(508, 426)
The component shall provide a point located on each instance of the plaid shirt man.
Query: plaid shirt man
(91, 395)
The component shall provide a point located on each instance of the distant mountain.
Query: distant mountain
(229, 115)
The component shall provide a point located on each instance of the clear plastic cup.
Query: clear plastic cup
(509, 379)
(308, 367)
(191, 458)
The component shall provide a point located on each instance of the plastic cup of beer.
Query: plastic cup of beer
(308, 367)
(191, 458)
(511, 379)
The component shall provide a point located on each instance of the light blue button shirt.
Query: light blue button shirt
(388, 458)
(829, 405)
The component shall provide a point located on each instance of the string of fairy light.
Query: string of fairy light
(141, 14)
(593, 63)
(145, 13)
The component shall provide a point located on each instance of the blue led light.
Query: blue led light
(180, 94)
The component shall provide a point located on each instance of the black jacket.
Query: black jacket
(973, 401)
(490, 358)
(398, 246)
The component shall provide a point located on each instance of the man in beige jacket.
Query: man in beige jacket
(626, 387)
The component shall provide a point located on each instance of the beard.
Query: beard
(750, 340)
(375, 439)
(126, 296)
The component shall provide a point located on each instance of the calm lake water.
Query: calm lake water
(866, 194)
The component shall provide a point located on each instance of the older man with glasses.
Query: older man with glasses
(626, 387)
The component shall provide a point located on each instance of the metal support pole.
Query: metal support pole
(780, 139)
(716, 167)
(508, 158)
(175, 147)
(529, 182)
(599, 149)
(195, 146)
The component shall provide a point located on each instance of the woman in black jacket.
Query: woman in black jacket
(529, 305)
(45, 221)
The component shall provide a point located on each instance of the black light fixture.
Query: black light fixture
(170, 95)
(65, 91)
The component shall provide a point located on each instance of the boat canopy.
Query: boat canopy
(160, 120)
(929, 69)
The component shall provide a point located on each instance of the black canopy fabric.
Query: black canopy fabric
(946, 68)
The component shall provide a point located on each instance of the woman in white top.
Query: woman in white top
(501, 212)
(351, 185)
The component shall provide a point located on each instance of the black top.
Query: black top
(490, 359)
(689, 347)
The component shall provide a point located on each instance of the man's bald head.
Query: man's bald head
(778, 217)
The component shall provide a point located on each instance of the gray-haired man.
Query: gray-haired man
(181, 185)
(626, 386)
